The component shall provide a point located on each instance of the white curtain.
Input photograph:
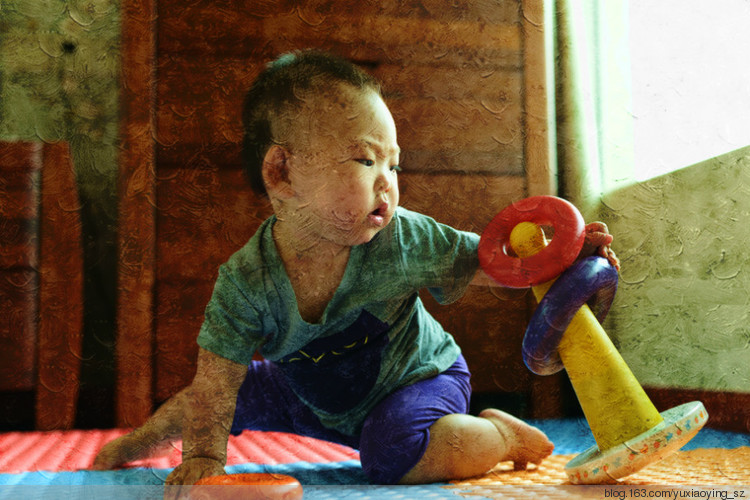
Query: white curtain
(593, 104)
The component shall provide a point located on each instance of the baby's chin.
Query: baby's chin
(367, 234)
(364, 238)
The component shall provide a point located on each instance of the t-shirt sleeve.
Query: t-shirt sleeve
(231, 325)
(436, 256)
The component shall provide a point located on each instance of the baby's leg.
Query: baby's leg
(151, 439)
(421, 433)
(463, 446)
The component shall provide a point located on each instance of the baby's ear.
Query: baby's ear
(276, 172)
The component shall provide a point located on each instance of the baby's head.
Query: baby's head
(279, 96)
(321, 143)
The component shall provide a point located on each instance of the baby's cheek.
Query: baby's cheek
(344, 208)
(395, 195)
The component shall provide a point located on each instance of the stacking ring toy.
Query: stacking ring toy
(563, 332)
(524, 272)
(590, 278)
(249, 486)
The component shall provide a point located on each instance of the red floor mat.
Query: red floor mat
(73, 450)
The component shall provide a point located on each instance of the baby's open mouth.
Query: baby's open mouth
(378, 215)
(381, 211)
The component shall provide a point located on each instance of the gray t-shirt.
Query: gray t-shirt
(375, 334)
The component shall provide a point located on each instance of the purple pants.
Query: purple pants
(394, 435)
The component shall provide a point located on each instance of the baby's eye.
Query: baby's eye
(396, 168)
(366, 162)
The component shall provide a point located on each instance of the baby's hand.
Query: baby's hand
(188, 473)
(597, 242)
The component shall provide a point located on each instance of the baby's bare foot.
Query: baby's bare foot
(130, 447)
(526, 444)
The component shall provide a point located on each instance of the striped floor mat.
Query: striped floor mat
(53, 465)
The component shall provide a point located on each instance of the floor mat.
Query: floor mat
(695, 467)
(48, 465)
(59, 451)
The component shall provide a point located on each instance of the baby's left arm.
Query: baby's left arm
(597, 241)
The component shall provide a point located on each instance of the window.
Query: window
(690, 81)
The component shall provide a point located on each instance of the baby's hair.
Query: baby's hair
(279, 89)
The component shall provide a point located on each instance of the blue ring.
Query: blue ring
(591, 278)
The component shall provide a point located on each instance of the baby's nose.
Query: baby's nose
(384, 181)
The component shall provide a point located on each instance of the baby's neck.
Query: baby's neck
(314, 268)
(298, 246)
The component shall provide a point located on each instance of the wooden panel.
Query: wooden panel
(180, 306)
(457, 10)
(60, 332)
(389, 35)
(18, 313)
(205, 215)
(491, 163)
(230, 77)
(488, 324)
(186, 156)
(471, 126)
(408, 80)
(20, 164)
(135, 303)
(212, 121)
(18, 235)
(206, 110)
(18, 181)
(200, 101)
(19, 203)
(540, 138)
(466, 202)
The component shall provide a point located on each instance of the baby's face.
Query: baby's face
(344, 166)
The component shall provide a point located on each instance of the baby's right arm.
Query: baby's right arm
(209, 412)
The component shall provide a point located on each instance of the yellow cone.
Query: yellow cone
(614, 403)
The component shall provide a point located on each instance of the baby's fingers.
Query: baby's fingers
(597, 235)
(609, 254)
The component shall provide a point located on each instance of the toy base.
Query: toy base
(249, 486)
(680, 424)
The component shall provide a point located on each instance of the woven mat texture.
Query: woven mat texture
(695, 467)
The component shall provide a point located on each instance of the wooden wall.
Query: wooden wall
(20, 164)
(457, 80)
(41, 283)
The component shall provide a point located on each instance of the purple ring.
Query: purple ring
(593, 280)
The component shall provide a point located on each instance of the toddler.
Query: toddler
(327, 292)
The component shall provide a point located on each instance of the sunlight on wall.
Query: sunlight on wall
(691, 81)
(681, 317)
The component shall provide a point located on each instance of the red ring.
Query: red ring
(562, 251)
